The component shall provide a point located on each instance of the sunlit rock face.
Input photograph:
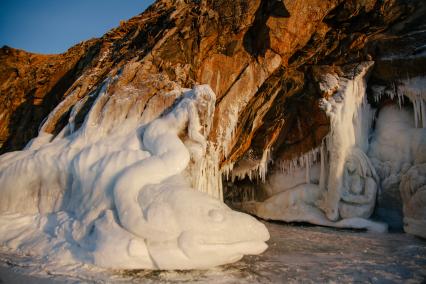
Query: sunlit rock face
(278, 107)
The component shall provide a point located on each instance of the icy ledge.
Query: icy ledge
(116, 193)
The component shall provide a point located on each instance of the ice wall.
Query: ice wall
(117, 191)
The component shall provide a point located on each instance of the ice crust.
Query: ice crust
(117, 192)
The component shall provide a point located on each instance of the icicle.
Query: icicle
(304, 161)
(416, 112)
(308, 166)
(415, 90)
(208, 179)
(263, 165)
(323, 173)
(230, 130)
(256, 170)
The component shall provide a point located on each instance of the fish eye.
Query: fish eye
(216, 215)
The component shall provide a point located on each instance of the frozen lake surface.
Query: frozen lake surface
(308, 254)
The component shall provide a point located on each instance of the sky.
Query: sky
(53, 26)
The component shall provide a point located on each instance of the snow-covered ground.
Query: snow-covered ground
(307, 254)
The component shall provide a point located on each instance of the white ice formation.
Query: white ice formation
(414, 89)
(398, 152)
(118, 191)
(336, 184)
(339, 183)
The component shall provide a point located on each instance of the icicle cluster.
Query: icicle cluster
(304, 161)
(415, 90)
(412, 88)
(335, 183)
(207, 175)
(255, 170)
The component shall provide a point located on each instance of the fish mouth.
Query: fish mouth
(237, 247)
(243, 236)
(253, 242)
(244, 247)
(250, 244)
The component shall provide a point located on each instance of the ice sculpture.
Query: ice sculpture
(117, 191)
(343, 193)
(398, 151)
(359, 189)
(359, 169)
(413, 192)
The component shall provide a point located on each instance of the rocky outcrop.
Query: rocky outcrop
(31, 85)
(264, 60)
